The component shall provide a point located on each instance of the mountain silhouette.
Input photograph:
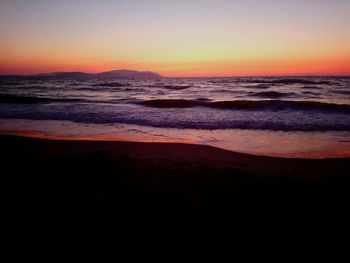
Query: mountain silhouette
(83, 75)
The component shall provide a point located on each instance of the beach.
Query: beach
(174, 121)
(167, 190)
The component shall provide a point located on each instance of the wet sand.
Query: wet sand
(167, 190)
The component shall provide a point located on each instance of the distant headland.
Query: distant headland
(83, 75)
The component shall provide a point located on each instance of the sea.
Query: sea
(293, 117)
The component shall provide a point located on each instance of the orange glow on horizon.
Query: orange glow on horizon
(283, 67)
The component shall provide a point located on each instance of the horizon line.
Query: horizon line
(165, 76)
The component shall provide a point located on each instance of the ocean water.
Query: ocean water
(290, 117)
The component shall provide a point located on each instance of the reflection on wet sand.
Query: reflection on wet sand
(267, 143)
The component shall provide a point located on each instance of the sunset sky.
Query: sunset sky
(176, 37)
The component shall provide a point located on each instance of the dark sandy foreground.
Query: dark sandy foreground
(165, 190)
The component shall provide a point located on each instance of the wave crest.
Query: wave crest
(249, 105)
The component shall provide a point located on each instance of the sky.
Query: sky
(182, 38)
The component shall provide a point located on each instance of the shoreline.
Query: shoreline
(38, 145)
(36, 134)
